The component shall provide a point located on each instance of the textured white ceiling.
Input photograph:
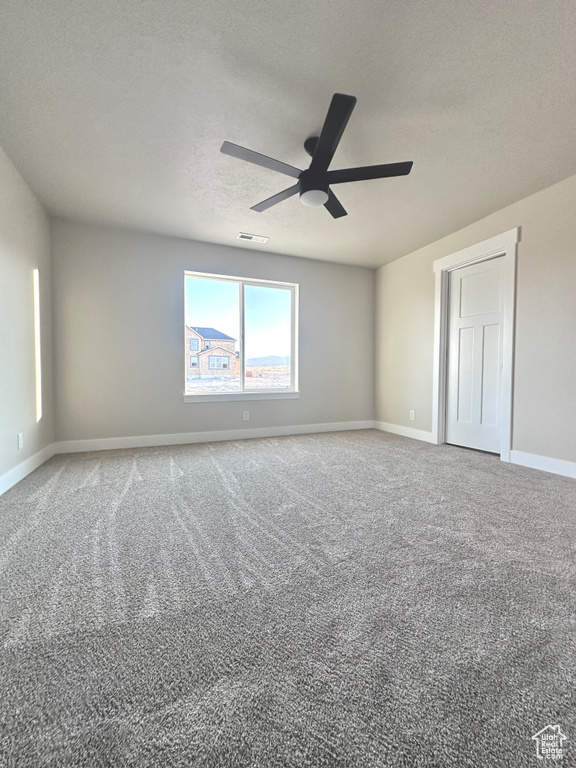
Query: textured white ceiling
(115, 112)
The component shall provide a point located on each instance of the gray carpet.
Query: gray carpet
(347, 599)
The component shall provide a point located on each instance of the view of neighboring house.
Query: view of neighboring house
(209, 352)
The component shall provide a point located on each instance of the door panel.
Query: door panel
(490, 375)
(479, 293)
(475, 356)
(465, 367)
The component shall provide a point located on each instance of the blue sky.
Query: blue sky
(214, 303)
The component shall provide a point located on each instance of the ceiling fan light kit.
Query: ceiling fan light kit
(313, 184)
(314, 197)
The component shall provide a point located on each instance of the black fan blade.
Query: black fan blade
(263, 160)
(334, 206)
(369, 172)
(337, 118)
(275, 199)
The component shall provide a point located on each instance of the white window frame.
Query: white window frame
(245, 393)
(191, 364)
(192, 342)
(505, 246)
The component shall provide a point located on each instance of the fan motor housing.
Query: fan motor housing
(309, 180)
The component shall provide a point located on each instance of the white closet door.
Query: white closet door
(475, 356)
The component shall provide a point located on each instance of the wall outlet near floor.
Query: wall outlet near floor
(246, 415)
(20, 440)
(411, 415)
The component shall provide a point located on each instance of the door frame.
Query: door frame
(505, 246)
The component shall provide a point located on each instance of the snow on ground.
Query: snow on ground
(263, 377)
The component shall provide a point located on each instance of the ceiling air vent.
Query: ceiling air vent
(254, 238)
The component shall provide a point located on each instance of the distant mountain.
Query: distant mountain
(270, 360)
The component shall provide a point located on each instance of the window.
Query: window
(194, 361)
(37, 351)
(216, 361)
(252, 330)
(193, 346)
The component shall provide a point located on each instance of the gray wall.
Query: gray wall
(119, 317)
(118, 309)
(24, 246)
(544, 408)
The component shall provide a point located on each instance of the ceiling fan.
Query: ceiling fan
(314, 183)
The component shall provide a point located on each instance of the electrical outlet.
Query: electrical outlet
(246, 415)
(411, 415)
(20, 440)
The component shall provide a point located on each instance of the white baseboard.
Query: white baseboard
(396, 429)
(19, 472)
(184, 438)
(544, 463)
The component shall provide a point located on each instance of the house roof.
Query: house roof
(210, 334)
(217, 349)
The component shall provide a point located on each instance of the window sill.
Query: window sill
(231, 396)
